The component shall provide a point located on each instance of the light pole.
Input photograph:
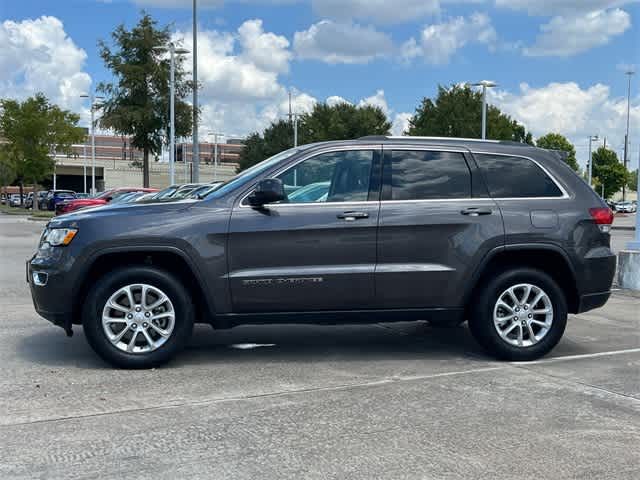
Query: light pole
(84, 163)
(173, 51)
(484, 84)
(629, 73)
(196, 146)
(215, 154)
(92, 98)
(592, 138)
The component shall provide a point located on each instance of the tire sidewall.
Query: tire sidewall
(110, 283)
(483, 328)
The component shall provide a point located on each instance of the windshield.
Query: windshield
(248, 175)
(167, 192)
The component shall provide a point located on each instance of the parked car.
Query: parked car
(502, 235)
(203, 190)
(314, 192)
(99, 200)
(14, 200)
(185, 190)
(625, 207)
(54, 197)
(38, 198)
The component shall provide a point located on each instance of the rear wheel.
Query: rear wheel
(520, 315)
(138, 317)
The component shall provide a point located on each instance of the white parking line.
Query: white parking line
(578, 357)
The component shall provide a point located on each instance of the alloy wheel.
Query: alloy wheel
(523, 315)
(138, 318)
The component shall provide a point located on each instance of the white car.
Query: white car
(626, 207)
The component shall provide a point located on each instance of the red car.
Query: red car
(102, 199)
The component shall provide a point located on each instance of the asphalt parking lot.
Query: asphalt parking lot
(390, 401)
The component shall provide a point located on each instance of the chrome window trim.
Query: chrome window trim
(564, 195)
(315, 153)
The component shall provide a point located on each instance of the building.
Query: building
(119, 164)
(228, 153)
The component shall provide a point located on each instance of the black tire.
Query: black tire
(109, 284)
(482, 325)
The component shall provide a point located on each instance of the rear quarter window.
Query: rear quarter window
(516, 177)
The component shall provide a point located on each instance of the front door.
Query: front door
(436, 224)
(317, 250)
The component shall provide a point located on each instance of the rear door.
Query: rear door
(318, 250)
(436, 224)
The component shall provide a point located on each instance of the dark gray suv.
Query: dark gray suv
(502, 235)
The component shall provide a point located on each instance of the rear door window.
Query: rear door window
(516, 177)
(427, 175)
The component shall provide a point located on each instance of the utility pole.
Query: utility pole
(630, 73)
(196, 145)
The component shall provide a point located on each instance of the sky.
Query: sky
(559, 64)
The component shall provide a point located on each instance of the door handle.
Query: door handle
(476, 212)
(352, 216)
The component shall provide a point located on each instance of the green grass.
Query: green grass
(39, 214)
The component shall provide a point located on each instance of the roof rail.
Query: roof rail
(447, 139)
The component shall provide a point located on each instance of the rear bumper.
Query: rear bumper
(592, 301)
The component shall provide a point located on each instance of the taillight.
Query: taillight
(603, 217)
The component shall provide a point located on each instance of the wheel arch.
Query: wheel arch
(550, 259)
(168, 258)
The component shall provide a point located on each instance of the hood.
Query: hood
(129, 209)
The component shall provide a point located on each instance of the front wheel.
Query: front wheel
(520, 315)
(137, 317)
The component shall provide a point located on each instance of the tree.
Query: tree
(337, 122)
(608, 172)
(555, 141)
(633, 181)
(35, 130)
(457, 112)
(7, 168)
(137, 103)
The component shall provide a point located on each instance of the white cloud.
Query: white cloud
(439, 42)
(377, 100)
(266, 50)
(566, 36)
(341, 43)
(334, 100)
(559, 7)
(379, 11)
(401, 123)
(38, 56)
(575, 112)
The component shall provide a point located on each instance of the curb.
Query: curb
(39, 219)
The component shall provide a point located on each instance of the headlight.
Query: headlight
(59, 237)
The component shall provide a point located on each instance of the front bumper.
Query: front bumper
(53, 300)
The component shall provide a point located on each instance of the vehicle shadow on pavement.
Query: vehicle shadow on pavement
(312, 343)
(277, 343)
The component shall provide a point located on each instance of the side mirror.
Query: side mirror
(269, 190)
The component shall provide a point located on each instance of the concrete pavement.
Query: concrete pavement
(380, 401)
